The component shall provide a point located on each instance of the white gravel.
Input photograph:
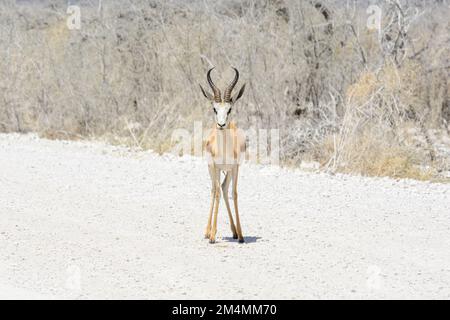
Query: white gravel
(88, 220)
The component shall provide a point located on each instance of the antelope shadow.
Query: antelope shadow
(248, 239)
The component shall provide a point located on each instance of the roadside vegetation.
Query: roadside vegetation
(350, 95)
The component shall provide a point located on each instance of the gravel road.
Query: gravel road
(88, 220)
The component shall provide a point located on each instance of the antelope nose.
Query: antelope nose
(221, 125)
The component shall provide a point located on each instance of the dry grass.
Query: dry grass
(372, 157)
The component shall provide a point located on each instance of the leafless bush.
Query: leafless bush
(339, 92)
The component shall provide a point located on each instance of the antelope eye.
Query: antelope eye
(229, 111)
(215, 111)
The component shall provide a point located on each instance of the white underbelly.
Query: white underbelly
(225, 167)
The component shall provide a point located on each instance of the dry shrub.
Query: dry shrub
(373, 139)
(373, 153)
(377, 154)
(365, 87)
(313, 70)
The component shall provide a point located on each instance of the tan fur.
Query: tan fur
(238, 148)
(225, 147)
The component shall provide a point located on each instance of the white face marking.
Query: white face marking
(221, 111)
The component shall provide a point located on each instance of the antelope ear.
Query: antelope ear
(239, 94)
(207, 95)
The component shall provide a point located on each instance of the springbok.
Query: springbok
(225, 146)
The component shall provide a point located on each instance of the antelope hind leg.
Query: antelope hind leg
(235, 200)
(225, 185)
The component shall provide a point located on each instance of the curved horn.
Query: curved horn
(217, 95)
(227, 94)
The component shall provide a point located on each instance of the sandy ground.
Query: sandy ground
(87, 220)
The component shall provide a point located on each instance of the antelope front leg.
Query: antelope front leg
(212, 175)
(235, 200)
(212, 237)
(208, 226)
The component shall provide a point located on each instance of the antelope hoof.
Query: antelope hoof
(212, 241)
(235, 236)
(241, 240)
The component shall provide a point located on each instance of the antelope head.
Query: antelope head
(222, 107)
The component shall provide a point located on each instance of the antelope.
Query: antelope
(224, 147)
